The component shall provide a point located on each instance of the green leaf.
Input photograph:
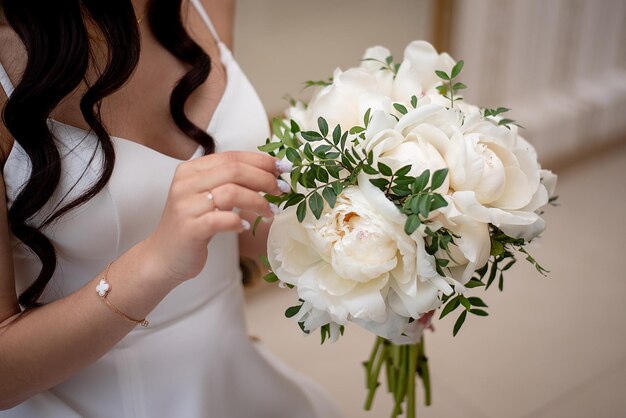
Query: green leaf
(474, 283)
(309, 177)
(456, 70)
(496, 247)
(492, 274)
(421, 181)
(439, 177)
(380, 183)
(412, 223)
(337, 135)
(293, 156)
(323, 125)
(506, 122)
(329, 195)
(479, 312)
(413, 204)
(477, 302)
(333, 170)
(292, 311)
(423, 205)
(459, 86)
(414, 101)
(442, 75)
(343, 140)
(465, 302)
(402, 171)
(256, 224)
(368, 169)
(301, 211)
(384, 169)
(438, 202)
(294, 176)
(264, 261)
(308, 152)
(294, 127)
(293, 200)
(322, 174)
(270, 277)
(311, 136)
(316, 204)
(389, 60)
(337, 187)
(356, 130)
(400, 108)
(450, 306)
(366, 117)
(271, 146)
(321, 150)
(459, 323)
(301, 324)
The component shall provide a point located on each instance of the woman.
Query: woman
(121, 206)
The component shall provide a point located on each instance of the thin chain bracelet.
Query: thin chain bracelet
(103, 288)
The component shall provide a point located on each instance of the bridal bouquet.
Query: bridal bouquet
(405, 200)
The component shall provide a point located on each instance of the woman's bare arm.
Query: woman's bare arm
(50, 343)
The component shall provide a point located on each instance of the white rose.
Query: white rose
(356, 256)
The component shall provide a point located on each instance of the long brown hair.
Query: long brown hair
(58, 51)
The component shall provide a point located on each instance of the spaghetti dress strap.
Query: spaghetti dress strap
(207, 20)
(5, 81)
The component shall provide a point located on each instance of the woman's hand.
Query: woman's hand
(199, 205)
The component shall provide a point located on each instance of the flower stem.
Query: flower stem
(425, 373)
(373, 377)
(410, 371)
(400, 393)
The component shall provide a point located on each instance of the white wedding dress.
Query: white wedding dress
(195, 359)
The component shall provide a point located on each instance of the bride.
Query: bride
(129, 167)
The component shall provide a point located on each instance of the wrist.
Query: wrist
(149, 268)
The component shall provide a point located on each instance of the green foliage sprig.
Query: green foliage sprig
(386, 65)
(490, 114)
(449, 88)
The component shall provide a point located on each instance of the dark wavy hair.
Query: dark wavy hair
(56, 41)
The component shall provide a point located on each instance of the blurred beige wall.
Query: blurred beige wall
(559, 64)
(282, 43)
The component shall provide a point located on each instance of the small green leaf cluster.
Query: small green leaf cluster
(449, 87)
(501, 259)
(319, 83)
(492, 113)
(470, 304)
(386, 65)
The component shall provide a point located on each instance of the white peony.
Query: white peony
(496, 178)
(356, 260)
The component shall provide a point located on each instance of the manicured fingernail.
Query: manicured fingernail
(274, 208)
(245, 224)
(284, 166)
(283, 186)
(267, 220)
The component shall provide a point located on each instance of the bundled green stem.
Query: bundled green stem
(404, 364)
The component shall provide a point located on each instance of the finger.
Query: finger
(259, 160)
(239, 173)
(230, 196)
(214, 222)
